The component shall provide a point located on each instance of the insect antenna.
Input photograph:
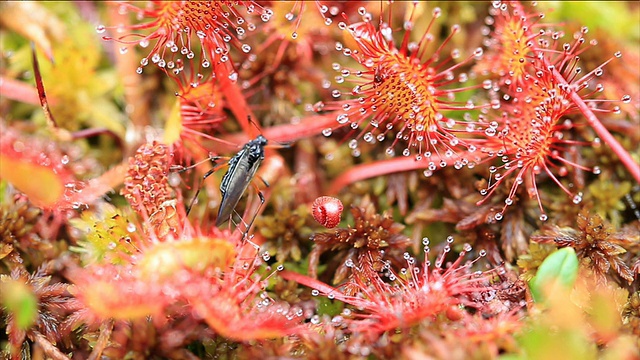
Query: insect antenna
(280, 145)
(255, 124)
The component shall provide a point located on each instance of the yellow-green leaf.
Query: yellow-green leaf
(20, 301)
(558, 269)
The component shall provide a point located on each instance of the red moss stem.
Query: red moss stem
(49, 349)
(103, 340)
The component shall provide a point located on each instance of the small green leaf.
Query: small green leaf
(558, 269)
(329, 307)
(20, 301)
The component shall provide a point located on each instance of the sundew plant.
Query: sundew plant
(319, 180)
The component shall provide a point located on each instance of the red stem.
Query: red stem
(98, 187)
(384, 167)
(41, 93)
(237, 103)
(600, 129)
(378, 168)
(309, 126)
(312, 283)
(87, 133)
(20, 91)
(135, 92)
(595, 123)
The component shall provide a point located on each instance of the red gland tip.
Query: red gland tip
(327, 211)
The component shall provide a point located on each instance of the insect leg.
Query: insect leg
(255, 214)
(244, 233)
(206, 175)
(181, 169)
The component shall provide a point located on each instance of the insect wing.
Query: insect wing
(235, 182)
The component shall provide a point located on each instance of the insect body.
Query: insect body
(242, 169)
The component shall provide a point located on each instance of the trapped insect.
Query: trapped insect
(242, 168)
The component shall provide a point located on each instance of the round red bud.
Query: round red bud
(454, 313)
(327, 211)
